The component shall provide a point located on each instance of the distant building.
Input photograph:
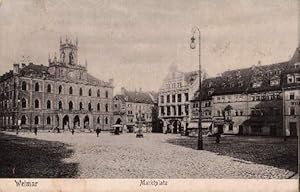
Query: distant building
(129, 104)
(260, 100)
(174, 97)
(62, 95)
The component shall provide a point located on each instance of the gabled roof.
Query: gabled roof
(137, 97)
(241, 80)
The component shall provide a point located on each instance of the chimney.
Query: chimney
(16, 68)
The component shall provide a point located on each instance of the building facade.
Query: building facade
(129, 104)
(174, 97)
(260, 100)
(62, 95)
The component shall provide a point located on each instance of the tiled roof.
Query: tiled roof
(33, 69)
(138, 97)
(121, 97)
(242, 80)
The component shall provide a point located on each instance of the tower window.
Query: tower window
(80, 106)
(90, 92)
(80, 91)
(49, 88)
(106, 94)
(90, 107)
(98, 93)
(24, 86)
(36, 104)
(106, 107)
(37, 87)
(98, 120)
(59, 105)
(48, 120)
(70, 105)
(98, 107)
(48, 104)
(23, 103)
(36, 120)
(71, 90)
(60, 89)
(106, 120)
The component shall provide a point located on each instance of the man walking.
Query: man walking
(98, 130)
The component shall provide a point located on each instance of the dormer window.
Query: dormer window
(256, 84)
(231, 85)
(297, 65)
(290, 79)
(210, 84)
(240, 84)
(297, 78)
(274, 82)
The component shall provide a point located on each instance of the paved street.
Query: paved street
(155, 156)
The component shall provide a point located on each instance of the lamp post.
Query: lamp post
(193, 46)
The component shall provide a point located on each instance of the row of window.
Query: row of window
(60, 105)
(174, 100)
(295, 78)
(174, 110)
(60, 89)
(48, 120)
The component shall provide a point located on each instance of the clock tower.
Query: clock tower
(68, 52)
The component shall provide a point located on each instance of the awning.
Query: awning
(194, 125)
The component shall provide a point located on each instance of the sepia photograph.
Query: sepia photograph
(152, 91)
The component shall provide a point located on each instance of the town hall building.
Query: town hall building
(61, 95)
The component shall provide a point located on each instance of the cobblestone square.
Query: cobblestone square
(83, 155)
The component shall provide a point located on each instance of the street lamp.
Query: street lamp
(139, 119)
(193, 46)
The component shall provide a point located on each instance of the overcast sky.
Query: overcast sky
(135, 41)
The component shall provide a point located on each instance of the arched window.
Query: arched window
(60, 89)
(24, 86)
(98, 120)
(36, 103)
(37, 87)
(106, 94)
(70, 105)
(80, 91)
(98, 93)
(49, 88)
(106, 107)
(90, 92)
(98, 107)
(48, 120)
(23, 120)
(90, 107)
(106, 120)
(80, 106)
(59, 105)
(48, 104)
(36, 120)
(71, 90)
(23, 103)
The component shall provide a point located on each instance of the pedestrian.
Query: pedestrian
(72, 130)
(35, 130)
(218, 135)
(98, 130)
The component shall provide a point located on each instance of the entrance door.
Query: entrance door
(293, 129)
(273, 130)
(240, 129)
(220, 129)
